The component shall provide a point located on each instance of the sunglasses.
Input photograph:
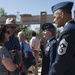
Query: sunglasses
(7, 32)
(12, 27)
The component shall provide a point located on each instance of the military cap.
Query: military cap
(48, 26)
(63, 5)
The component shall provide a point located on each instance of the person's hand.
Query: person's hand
(13, 52)
(16, 65)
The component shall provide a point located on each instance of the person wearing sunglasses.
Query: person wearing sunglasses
(6, 63)
(13, 43)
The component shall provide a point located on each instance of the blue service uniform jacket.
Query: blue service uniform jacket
(49, 54)
(65, 59)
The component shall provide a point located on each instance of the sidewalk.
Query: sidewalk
(39, 72)
(39, 68)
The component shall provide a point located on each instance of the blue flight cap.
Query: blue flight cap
(48, 26)
(63, 5)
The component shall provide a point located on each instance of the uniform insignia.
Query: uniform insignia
(47, 49)
(0, 46)
(62, 47)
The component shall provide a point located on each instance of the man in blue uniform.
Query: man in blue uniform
(49, 52)
(65, 58)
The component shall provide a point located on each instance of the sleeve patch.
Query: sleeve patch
(62, 47)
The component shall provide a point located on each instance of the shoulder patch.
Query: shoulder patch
(62, 47)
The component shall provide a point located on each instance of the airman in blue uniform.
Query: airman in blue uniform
(49, 52)
(65, 58)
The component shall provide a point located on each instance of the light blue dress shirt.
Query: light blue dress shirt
(26, 47)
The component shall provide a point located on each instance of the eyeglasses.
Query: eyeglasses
(11, 27)
(7, 32)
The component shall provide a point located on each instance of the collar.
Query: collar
(53, 37)
(68, 22)
(21, 42)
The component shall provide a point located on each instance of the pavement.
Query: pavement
(39, 72)
(39, 68)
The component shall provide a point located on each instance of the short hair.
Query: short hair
(20, 33)
(65, 11)
(53, 31)
(33, 33)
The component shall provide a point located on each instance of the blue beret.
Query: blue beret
(63, 5)
(48, 26)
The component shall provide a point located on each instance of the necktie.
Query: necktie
(23, 56)
(22, 51)
(22, 46)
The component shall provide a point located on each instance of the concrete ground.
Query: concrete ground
(39, 72)
(39, 68)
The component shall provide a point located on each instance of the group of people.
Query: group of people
(16, 54)
(58, 56)
(31, 51)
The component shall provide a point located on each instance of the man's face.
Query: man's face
(12, 29)
(58, 18)
(21, 38)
